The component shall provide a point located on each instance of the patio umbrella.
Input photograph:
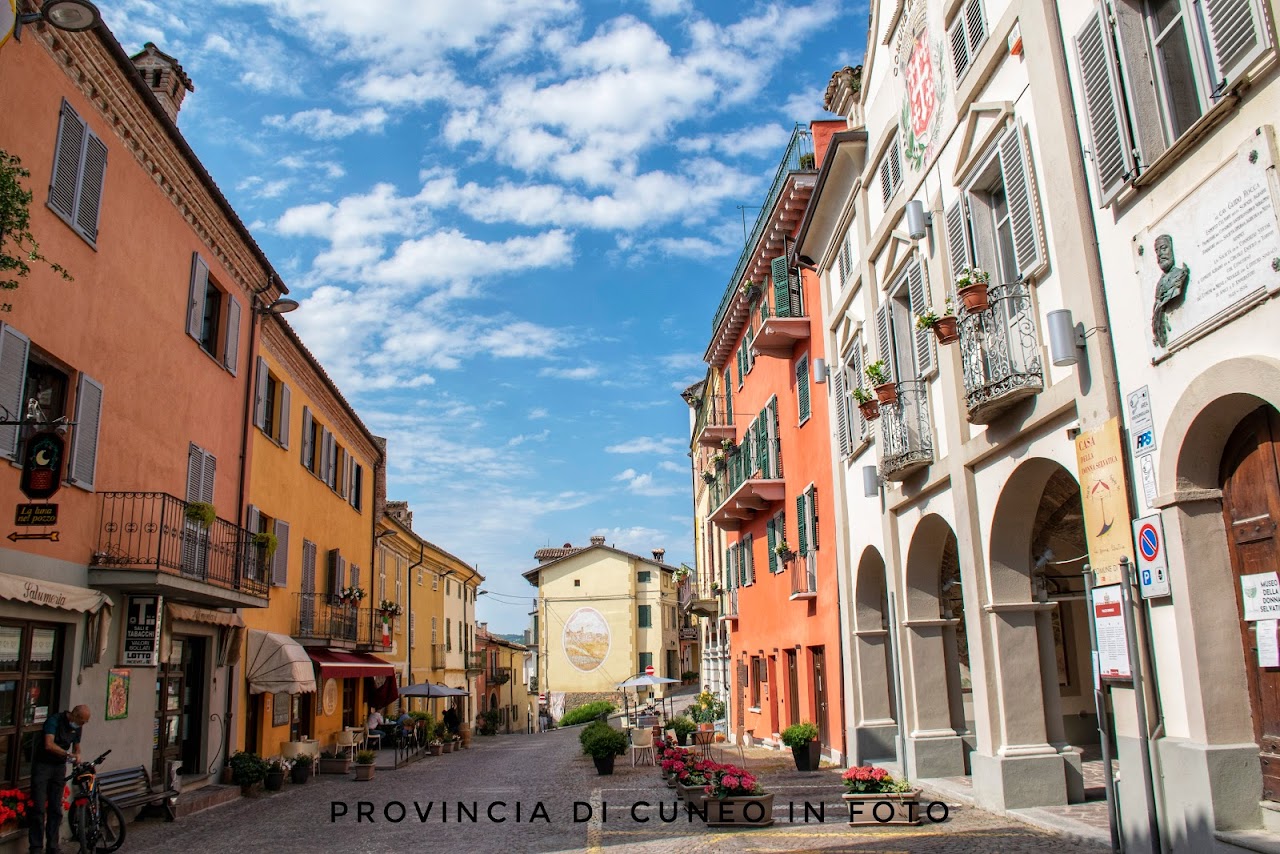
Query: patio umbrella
(640, 681)
(430, 689)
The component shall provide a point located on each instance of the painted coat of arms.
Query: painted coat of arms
(919, 61)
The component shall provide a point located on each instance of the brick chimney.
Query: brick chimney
(597, 540)
(164, 77)
(399, 510)
(659, 554)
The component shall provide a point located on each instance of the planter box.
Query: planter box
(693, 794)
(435, 749)
(808, 756)
(604, 764)
(740, 811)
(300, 773)
(863, 809)
(364, 772)
(334, 766)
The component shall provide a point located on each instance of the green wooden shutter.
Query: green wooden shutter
(728, 399)
(773, 541)
(781, 287)
(813, 517)
(802, 547)
(740, 370)
(802, 387)
(774, 449)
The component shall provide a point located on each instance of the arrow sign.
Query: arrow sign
(50, 535)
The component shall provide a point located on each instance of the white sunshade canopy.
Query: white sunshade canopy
(277, 664)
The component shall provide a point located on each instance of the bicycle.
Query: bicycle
(96, 823)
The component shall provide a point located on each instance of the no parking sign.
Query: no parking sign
(1153, 566)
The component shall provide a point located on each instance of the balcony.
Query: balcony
(730, 599)
(1000, 353)
(146, 544)
(783, 320)
(437, 656)
(804, 577)
(750, 482)
(498, 675)
(906, 437)
(713, 418)
(320, 621)
(476, 662)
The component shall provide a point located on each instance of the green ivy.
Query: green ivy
(18, 246)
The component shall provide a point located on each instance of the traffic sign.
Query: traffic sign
(649, 671)
(1152, 564)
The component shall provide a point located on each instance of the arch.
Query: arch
(929, 541)
(1038, 501)
(493, 701)
(870, 595)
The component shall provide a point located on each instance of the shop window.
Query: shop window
(30, 655)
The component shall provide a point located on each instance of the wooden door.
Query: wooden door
(1251, 510)
(820, 694)
(167, 738)
(793, 689)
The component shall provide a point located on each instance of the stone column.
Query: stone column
(933, 747)
(874, 716)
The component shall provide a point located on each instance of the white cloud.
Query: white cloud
(646, 445)
(516, 441)
(583, 372)
(326, 124)
(667, 465)
(644, 484)
(665, 8)
(537, 413)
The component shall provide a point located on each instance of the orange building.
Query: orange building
(766, 454)
(142, 365)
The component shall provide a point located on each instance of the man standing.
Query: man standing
(61, 742)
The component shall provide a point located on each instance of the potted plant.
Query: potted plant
(267, 543)
(277, 767)
(301, 772)
(489, 722)
(389, 609)
(971, 287)
(332, 762)
(866, 787)
(603, 743)
(736, 799)
(729, 446)
(435, 747)
(708, 477)
(351, 596)
(802, 738)
(878, 375)
(200, 513)
(247, 771)
(750, 290)
(784, 552)
(364, 766)
(683, 726)
(706, 710)
(943, 325)
(867, 403)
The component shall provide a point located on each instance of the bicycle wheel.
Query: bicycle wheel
(111, 827)
(82, 826)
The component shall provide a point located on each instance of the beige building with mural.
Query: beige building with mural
(603, 615)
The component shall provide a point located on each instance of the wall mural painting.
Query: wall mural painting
(586, 639)
(920, 63)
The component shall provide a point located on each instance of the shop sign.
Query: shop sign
(142, 632)
(1261, 596)
(36, 514)
(1113, 641)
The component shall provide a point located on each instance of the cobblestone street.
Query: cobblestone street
(542, 776)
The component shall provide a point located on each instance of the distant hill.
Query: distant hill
(516, 638)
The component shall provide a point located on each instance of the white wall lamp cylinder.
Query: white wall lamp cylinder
(918, 219)
(870, 481)
(1066, 339)
(819, 370)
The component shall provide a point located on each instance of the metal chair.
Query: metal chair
(642, 745)
(374, 737)
(346, 741)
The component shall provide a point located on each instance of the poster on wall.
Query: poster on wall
(1113, 641)
(1261, 596)
(1104, 492)
(280, 705)
(117, 694)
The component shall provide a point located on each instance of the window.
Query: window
(645, 614)
(435, 628)
(79, 167)
(776, 530)
(32, 383)
(337, 572)
(258, 522)
(851, 427)
(435, 581)
(271, 405)
(577, 582)
(646, 660)
(745, 562)
(29, 681)
(1182, 54)
(644, 577)
(213, 316)
(802, 387)
(786, 289)
(846, 260)
(755, 681)
(807, 522)
(448, 635)
(907, 351)
(890, 171)
(966, 36)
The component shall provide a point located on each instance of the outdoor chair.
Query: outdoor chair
(642, 745)
(346, 742)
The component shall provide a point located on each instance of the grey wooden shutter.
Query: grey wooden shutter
(334, 572)
(348, 478)
(89, 193)
(802, 525)
(14, 347)
(66, 163)
(917, 294)
(207, 477)
(1024, 203)
(283, 436)
(332, 479)
(260, 414)
(307, 440)
(958, 251)
(195, 301)
(959, 47)
(252, 518)
(195, 469)
(280, 560)
(83, 466)
(842, 411)
(858, 366)
(886, 185)
(1110, 139)
(353, 574)
(308, 567)
(884, 340)
(1237, 35)
(771, 532)
(802, 387)
(231, 346)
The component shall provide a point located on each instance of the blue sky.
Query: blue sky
(509, 224)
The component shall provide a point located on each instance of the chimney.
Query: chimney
(380, 480)
(597, 540)
(164, 77)
(659, 554)
(399, 510)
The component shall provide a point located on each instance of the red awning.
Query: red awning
(336, 664)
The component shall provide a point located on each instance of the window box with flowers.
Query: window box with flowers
(784, 552)
(971, 287)
(387, 608)
(735, 798)
(350, 596)
(943, 325)
(719, 460)
(873, 795)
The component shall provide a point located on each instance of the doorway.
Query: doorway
(793, 689)
(1250, 476)
(820, 693)
(178, 735)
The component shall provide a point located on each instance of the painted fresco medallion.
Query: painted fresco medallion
(919, 61)
(586, 639)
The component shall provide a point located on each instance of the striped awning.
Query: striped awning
(277, 664)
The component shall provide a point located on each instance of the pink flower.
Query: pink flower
(730, 781)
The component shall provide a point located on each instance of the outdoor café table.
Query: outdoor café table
(706, 741)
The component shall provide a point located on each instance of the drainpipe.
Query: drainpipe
(408, 643)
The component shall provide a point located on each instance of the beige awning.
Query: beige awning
(203, 615)
(277, 664)
(36, 591)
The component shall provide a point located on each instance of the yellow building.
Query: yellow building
(406, 578)
(504, 688)
(604, 615)
(315, 475)
(462, 662)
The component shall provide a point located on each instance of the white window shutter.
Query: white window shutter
(83, 465)
(208, 478)
(89, 193)
(1111, 143)
(974, 25)
(884, 340)
(842, 411)
(858, 365)
(283, 436)
(1024, 201)
(195, 470)
(958, 251)
(280, 561)
(1238, 35)
(231, 344)
(959, 47)
(918, 294)
(307, 440)
(886, 181)
(66, 163)
(260, 413)
(195, 301)
(14, 347)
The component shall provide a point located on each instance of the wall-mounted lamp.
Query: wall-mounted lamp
(481, 592)
(284, 305)
(1066, 339)
(819, 370)
(870, 481)
(385, 533)
(73, 16)
(806, 262)
(918, 220)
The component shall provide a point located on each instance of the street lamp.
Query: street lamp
(74, 16)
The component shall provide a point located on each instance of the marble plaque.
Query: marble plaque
(1214, 253)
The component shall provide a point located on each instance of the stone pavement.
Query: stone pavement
(527, 790)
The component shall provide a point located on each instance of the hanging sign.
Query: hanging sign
(1105, 496)
(1261, 596)
(1113, 642)
(42, 465)
(1153, 566)
(36, 514)
(142, 632)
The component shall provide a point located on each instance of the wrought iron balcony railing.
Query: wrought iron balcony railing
(804, 576)
(476, 662)
(1000, 353)
(498, 675)
(437, 656)
(151, 530)
(906, 435)
(783, 319)
(320, 617)
(730, 597)
(714, 421)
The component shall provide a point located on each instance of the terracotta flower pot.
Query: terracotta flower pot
(887, 393)
(946, 330)
(870, 409)
(876, 808)
(974, 297)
